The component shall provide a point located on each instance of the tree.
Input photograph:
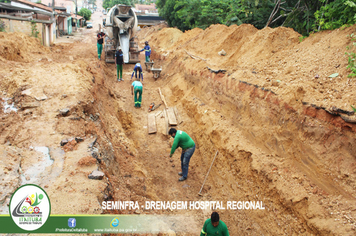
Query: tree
(336, 14)
(86, 13)
(111, 3)
(303, 16)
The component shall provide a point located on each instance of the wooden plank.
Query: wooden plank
(179, 118)
(159, 113)
(152, 128)
(166, 120)
(164, 101)
(171, 116)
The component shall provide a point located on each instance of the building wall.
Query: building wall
(21, 26)
(69, 25)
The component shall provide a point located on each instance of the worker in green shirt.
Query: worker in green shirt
(182, 139)
(214, 226)
(136, 87)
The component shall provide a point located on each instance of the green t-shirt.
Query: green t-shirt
(210, 230)
(183, 140)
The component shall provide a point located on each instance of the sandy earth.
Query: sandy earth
(284, 129)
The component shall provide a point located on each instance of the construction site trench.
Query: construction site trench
(284, 129)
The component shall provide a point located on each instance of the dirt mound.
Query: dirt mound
(166, 37)
(19, 47)
(268, 41)
(187, 37)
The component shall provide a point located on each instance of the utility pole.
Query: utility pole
(76, 12)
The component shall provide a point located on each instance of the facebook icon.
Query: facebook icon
(72, 222)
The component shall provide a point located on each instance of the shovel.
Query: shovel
(207, 175)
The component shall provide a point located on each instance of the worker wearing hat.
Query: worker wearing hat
(100, 41)
(137, 70)
(119, 61)
(147, 49)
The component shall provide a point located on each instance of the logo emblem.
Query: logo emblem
(72, 222)
(114, 222)
(29, 207)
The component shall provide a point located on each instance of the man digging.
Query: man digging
(183, 140)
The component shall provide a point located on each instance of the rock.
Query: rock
(222, 53)
(96, 175)
(64, 142)
(64, 111)
(275, 83)
(186, 186)
(137, 211)
(29, 105)
(173, 165)
(64, 95)
(171, 160)
(71, 58)
(41, 98)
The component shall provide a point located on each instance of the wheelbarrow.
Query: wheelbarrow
(156, 72)
(149, 65)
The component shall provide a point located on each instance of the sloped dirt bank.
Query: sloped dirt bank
(283, 143)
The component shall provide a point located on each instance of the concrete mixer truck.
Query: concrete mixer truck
(121, 26)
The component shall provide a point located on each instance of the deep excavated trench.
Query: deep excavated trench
(285, 156)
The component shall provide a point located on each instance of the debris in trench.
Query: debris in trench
(78, 139)
(216, 71)
(64, 111)
(94, 117)
(64, 142)
(194, 57)
(93, 143)
(222, 53)
(334, 75)
(96, 175)
(29, 105)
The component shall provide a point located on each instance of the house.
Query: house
(143, 9)
(31, 18)
(64, 21)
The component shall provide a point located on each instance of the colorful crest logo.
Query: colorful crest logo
(29, 207)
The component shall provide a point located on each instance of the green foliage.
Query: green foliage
(352, 56)
(188, 14)
(335, 14)
(34, 31)
(301, 38)
(5, 1)
(2, 26)
(354, 109)
(111, 3)
(304, 16)
(86, 13)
